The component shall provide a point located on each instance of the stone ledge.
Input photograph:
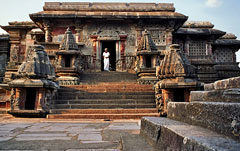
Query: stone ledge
(219, 117)
(168, 134)
(223, 84)
(229, 95)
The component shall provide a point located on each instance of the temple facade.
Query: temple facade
(151, 40)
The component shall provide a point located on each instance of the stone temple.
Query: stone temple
(160, 64)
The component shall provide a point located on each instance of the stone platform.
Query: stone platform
(169, 134)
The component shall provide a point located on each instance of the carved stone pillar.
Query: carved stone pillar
(79, 34)
(48, 33)
(40, 99)
(122, 50)
(16, 103)
(139, 33)
(209, 48)
(169, 37)
(142, 62)
(167, 95)
(94, 52)
(186, 45)
(14, 51)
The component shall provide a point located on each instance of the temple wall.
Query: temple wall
(4, 54)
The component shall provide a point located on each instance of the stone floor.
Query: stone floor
(69, 135)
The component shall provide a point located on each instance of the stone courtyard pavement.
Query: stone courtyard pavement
(69, 135)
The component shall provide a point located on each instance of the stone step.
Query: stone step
(80, 95)
(105, 101)
(230, 95)
(109, 86)
(135, 142)
(169, 134)
(77, 92)
(103, 111)
(217, 116)
(116, 90)
(103, 106)
(101, 116)
(3, 111)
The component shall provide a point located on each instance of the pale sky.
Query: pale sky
(224, 14)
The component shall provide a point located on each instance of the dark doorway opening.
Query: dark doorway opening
(111, 45)
(30, 99)
(67, 61)
(178, 95)
(148, 61)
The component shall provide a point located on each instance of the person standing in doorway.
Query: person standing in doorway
(106, 56)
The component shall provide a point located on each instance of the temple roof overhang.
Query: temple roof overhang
(199, 31)
(227, 42)
(21, 25)
(24, 25)
(80, 10)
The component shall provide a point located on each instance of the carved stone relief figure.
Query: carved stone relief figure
(14, 53)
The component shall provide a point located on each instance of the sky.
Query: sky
(224, 14)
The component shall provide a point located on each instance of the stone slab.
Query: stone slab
(93, 150)
(90, 137)
(30, 138)
(217, 116)
(123, 126)
(43, 135)
(135, 143)
(5, 139)
(229, 95)
(169, 134)
(224, 84)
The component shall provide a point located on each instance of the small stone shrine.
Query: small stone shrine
(177, 78)
(147, 57)
(34, 87)
(69, 63)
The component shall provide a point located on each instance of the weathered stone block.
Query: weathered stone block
(227, 83)
(169, 134)
(220, 117)
(229, 95)
(208, 87)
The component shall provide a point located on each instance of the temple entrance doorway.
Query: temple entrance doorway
(111, 45)
(30, 99)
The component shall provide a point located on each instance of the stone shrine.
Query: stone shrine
(69, 62)
(33, 88)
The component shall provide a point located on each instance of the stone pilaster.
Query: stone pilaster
(167, 95)
(94, 52)
(169, 37)
(16, 102)
(79, 34)
(48, 33)
(122, 50)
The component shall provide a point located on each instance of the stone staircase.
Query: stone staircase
(210, 121)
(105, 95)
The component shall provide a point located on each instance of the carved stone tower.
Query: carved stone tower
(147, 58)
(68, 61)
